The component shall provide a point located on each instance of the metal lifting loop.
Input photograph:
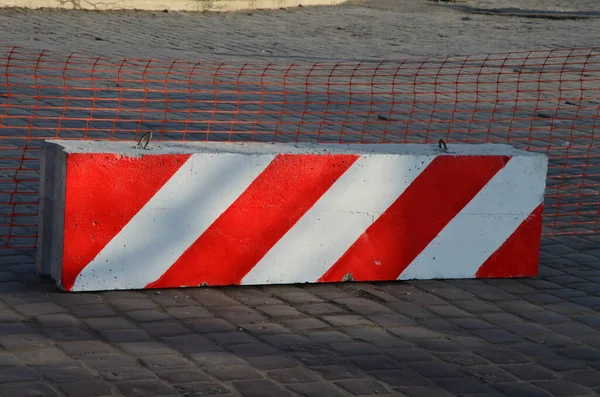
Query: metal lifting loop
(442, 145)
(147, 134)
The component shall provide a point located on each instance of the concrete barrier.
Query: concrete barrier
(171, 5)
(114, 216)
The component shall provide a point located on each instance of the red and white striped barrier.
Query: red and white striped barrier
(207, 214)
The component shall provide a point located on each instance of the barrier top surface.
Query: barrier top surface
(129, 148)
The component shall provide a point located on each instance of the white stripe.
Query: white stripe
(201, 190)
(485, 223)
(337, 219)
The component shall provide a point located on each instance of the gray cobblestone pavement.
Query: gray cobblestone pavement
(529, 337)
(511, 338)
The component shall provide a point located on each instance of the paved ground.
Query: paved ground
(511, 338)
(377, 29)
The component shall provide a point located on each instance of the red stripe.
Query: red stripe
(520, 254)
(103, 193)
(247, 230)
(432, 200)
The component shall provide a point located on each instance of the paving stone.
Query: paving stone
(14, 328)
(497, 336)
(27, 389)
(272, 362)
(86, 388)
(354, 348)
(109, 323)
(540, 299)
(561, 388)
(435, 370)
(6, 360)
(286, 342)
(207, 326)
(299, 298)
(212, 298)
(363, 387)
(260, 388)
(442, 326)
(125, 335)
(318, 358)
(572, 328)
(529, 372)
(65, 372)
(107, 361)
(317, 389)
(276, 311)
(147, 348)
(321, 309)
(304, 324)
(251, 296)
(264, 328)
(230, 373)
(253, 350)
(471, 323)
(129, 304)
(347, 321)
(145, 388)
(406, 355)
(102, 310)
(526, 329)
(580, 353)
(329, 336)
(462, 386)
(231, 338)
(462, 359)
(373, 362)
(545, 317)
(70, 334)
(40, 356)
(182, 312)
(414, 333)
(164, 362)
(568, 308)
(216, 359)
(401, 377)
(560, 363)
(377, 337)
(490, 374)
(424, 391)
(439, 345)
(294, 375)
(191, 344)
(39, 308)
(25, 341)
(337, 372)
(588, 377)
(17, 374)
(165, 328)
(448, 311)
(148, 315)
(120, 374)
(58, 320)
(197, 389)
(182, 375)
(239, 314)
(391, 320)
(363, 306)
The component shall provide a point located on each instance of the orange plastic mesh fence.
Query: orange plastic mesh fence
(543, 101)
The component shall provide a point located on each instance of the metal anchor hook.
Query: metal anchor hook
(442, 145)
(139, 144)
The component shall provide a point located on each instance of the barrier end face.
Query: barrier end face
(53, 170)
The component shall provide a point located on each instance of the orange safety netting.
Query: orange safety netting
(543, 101)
